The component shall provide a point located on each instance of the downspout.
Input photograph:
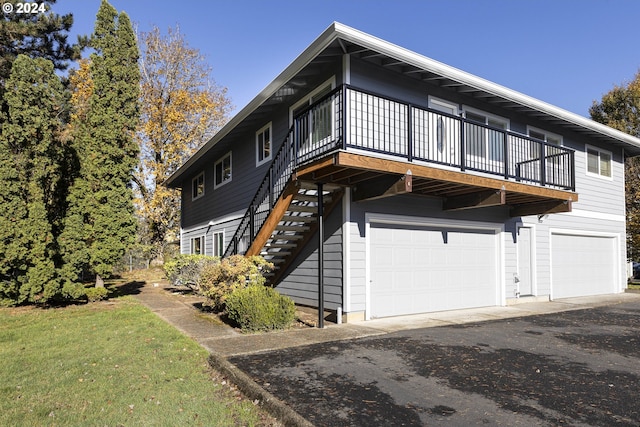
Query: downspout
(320, 256)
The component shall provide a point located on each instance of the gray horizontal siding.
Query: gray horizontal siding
(300, 282)
(246, 176)
(228, 227)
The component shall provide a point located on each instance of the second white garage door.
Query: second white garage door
(583, 265)
(424, 269)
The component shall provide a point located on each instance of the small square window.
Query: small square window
(223, 170)
(598, 162)
(197, 186)
(263, 145)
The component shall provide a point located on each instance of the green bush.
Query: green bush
(260, 308)
(187, 270)
(219, 280)
(96, 294)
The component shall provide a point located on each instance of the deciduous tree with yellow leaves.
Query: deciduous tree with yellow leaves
(181, 108)
(620, 109)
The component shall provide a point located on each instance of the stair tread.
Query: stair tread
(292, 227)
(298, 218)
(302, 208)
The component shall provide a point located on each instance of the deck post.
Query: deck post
(320, 256)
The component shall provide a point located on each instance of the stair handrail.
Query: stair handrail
(274, 187)
(280, 172)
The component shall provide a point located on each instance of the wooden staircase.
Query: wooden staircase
(291, 225)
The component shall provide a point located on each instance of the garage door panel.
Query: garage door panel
(583, 265)
(431, 269)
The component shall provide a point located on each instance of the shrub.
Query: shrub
(232, 273)
(96, 294)
(260, 308)
(187, 269)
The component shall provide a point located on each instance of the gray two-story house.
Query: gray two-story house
(433, 189)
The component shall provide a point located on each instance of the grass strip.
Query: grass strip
(110, 364)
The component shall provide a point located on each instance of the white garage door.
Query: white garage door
(419, 270)
(582, 265)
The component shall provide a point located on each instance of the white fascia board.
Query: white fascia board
(479, 83)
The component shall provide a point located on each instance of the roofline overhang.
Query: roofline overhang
(340, 31)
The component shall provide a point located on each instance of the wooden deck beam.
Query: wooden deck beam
(542, 208)
(383, 186)
(359, 161)
(475, 200)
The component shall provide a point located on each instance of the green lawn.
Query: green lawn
(109, 364)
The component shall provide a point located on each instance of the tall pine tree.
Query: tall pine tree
(100, 223)
(30, 179)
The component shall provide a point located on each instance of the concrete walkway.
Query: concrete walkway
(180, 310)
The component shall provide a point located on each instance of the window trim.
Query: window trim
(193, 187)
(202, 245)
(488, 117)
(546, 134)
(261, 131)
(599, 151)
(215, 236)
(308, 97)
(440, 105)
(215, 171)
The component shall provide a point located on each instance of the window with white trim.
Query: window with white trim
(218, 243)
(319, 126)
(481, 141)
(598, 162)
(263, 145)
(222, 170)
(197, 245)
(197, 186)
(547, 137)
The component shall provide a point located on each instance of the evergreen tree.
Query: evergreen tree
(37, 35)
(100, 223)
(30, 179)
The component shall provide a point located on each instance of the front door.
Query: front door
(525, 261)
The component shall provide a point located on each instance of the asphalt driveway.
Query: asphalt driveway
(570, 368)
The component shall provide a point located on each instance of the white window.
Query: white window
(197, 186)
(482, 141)
(598, 162)
(243, 244)
(550, 138)
(222, 170)
(545, 136)
(218, 243)
(197, 245)
(319, 128)
(263, 145)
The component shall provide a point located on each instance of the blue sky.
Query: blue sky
(565, 52)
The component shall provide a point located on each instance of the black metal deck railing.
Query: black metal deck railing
(352, 119)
